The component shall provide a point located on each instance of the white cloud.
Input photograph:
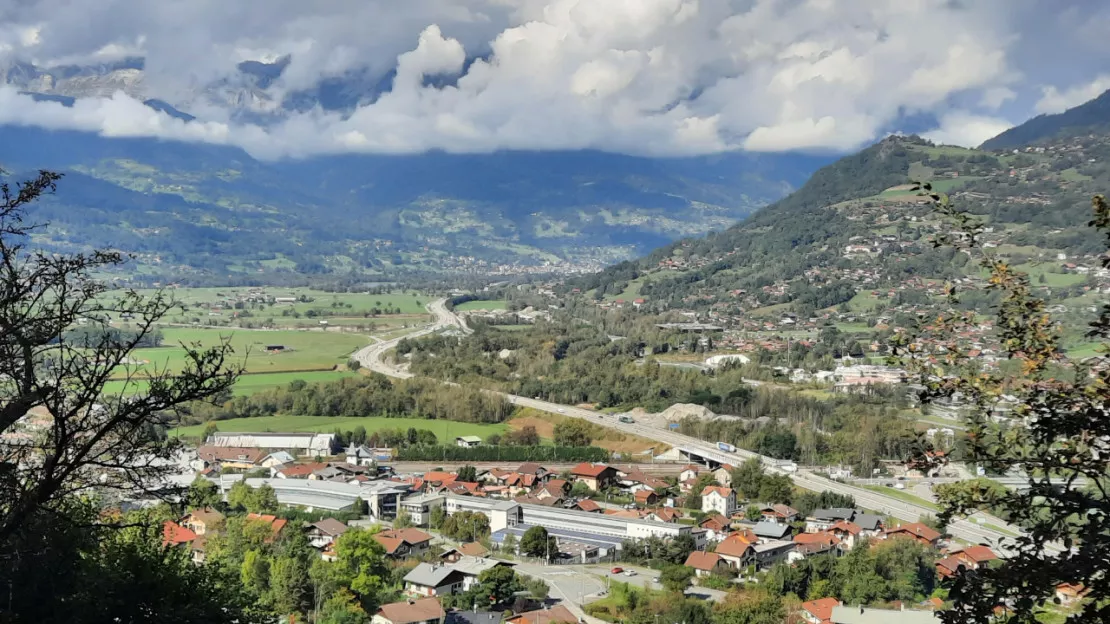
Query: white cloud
(967, 130)
(637, 76)
(1055, 101)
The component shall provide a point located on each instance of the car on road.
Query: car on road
(616, 570)
(562, 411)
(630, 573)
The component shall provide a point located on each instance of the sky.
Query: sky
(646, 77)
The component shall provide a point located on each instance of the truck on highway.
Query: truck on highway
(726, 447)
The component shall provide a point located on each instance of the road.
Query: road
(425, 466)
(969, 531)
(371, 356)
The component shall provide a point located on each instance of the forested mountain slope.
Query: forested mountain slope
(211, 213)
(858, 237)
(1092, 116)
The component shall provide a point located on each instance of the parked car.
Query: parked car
(616, 570)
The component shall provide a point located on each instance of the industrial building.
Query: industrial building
(300, 444)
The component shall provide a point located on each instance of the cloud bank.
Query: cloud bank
(660, 77)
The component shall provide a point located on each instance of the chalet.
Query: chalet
(423, 611)
(468, 441)
(555, 488)
(469, 549)
(664, 514)
(400, 543)
(768, 553)
(723, 475)
(555, 615)
(595, 476)
(779, 513)
(705, 563)
(646, 497)
(434, 579)
(1069, 594)
(690, 471)
(534, 469)
(718, 499)
(819, 611)
(324, 533)
(736, 551)
(914, 530)
(809, 544)
(848, 533)
(277, 459)
(717, 525)
(203, 521)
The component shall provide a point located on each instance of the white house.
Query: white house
(468, 441)
(719, 499)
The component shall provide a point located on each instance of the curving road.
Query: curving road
(371, 358)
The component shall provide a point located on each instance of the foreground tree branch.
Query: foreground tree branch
(61, 433)
(1057, 438)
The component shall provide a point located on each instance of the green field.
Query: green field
(471, 306)
(445, 430)
(221, 304)
(304, 350)
(247, 384)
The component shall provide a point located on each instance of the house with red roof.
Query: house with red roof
(717, 526)
(276, 524)
(916, 531)
(819, 611)
(588, 505)
(645, 497)
(595, 476)
(401, 543)
(736, 550)
(705, 563)
(848, 533)
(718, 499)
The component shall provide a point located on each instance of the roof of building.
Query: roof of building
(785, 511)
(715, 521)
(835, 513)
(821, 537)
(531, 468)
(719, 490)
(772, 545)
(281, 457)
(773, 530)
(473, 566)
(949, 565)
(867, 615)
(821, 608)
(733, 546)
(644, 495)
(277, 524)
(411, 611)
(173, 533)
(848, 527)
(301, 471)
(393, 538)
(586, 469)
(916, 529)
(473, 549)
(207, 515)
(229, 453)
(330, 526)
(555, 615)
(473, 617)
(439, 477)
(470, 438)
(433, 575)
(587, 505)
(978, 554)
(701, 560)
(868, 522)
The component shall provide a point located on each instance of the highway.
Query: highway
(969, 531)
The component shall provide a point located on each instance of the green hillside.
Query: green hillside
(857, 229)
